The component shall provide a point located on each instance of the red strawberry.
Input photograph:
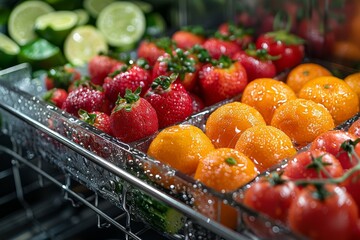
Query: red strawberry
(88, 99)
(133, 118)
(61, 77)
(170, 100)
(99, 67)
(180, 62)
(239, 35)
(56, 96)
(218, 47)
(197, 103)
(221, 80)
(150, 50)
(130, 77)
(257, 62)
(97, 119)
(188, 37)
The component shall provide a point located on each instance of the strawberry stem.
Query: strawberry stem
(87, 117)
(163, 82)
(128, 100)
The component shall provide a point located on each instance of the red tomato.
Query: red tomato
(289, 47)
(355, 128)
(299, 166)
(272, 199)
(330, 218)
(331, 142)
(352, 186)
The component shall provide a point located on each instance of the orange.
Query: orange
(353, 80)
(337, 96)
(265, 145)
(304, 72)
(266, 94)
(180, 146)
(225, 124)
(223, 169)
(346, 50)
(302, 120)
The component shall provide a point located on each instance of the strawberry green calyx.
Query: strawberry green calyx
(163, 83)
(196, 29)
(181, 63)
(223, 62)
(141, 62)
(261, 54)
(234, 32)
(201, 53)
(130, 98)
(87, 117)
(48, 95)
(285, 37)
(61, 77)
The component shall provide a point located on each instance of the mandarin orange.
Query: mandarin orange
(225, 124)
(224, 169)
(353, 80)
(336, 95)
(265, 145)
(304, 72)
(302, 120)
(266, 94)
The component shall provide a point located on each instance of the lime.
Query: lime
(83, 16)
(83, 43)
(8, 51)
(41, 54)
(94, 7)
(155, 24)
(22, 20)
(122, 23)
(55, 26)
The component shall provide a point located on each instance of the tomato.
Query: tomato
(320, 216)
(272, 199)
(331, 142)
(352, 186)
(355, 128)
(257, 63)
(288, 47)
(304, 165)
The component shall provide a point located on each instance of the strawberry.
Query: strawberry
(133, 117)
(129, 77)
(88, 99)
(61, 77)
(56, 96)
(150, 50)
(170, 100)
(181, 62)
(188, 37)
(257, 63)
(222, 79)
(197, 102)
(99, 67)
(97, 119)
(219, 45)
(239, 35)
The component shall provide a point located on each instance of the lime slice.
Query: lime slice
(41, 54)
(55, 26)
(83, 43)
(8, 51)
(83, 16)
(122, 23)
(94, 7)
(22, 20)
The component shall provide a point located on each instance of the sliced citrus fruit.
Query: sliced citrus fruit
(83, 43)
(55, 26)
(41, 54)
(94, 7)
(22, 20)
(8, 51)
(122, 23)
